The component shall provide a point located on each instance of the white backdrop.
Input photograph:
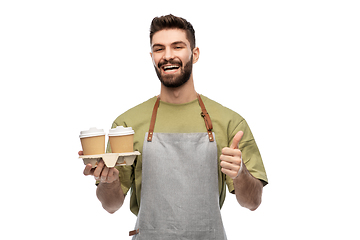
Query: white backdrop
(290, 68)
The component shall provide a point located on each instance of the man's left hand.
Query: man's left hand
(231, 160)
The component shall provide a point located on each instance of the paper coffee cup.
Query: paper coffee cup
(93, 141)
(121, 139)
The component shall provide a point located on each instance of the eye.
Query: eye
(157, 49)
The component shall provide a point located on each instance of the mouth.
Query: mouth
(171, 68)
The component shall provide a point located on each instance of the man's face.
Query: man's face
(172, 57)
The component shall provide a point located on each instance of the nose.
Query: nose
(169, 54)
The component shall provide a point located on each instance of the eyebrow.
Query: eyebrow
(172, 44)
(157, 45)
(178, 42)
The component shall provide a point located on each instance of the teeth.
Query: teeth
(172, 66)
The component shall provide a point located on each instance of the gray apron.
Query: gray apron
(179, 193)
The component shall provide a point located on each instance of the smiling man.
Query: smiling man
(192, 148)
(172, 72)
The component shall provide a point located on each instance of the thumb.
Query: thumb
(236, 140)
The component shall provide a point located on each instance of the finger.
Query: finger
(104, 174)
(226, 158)
(230, 166)
(81, 153)
(236, 140)
(229, 172)
(99, 169)
(112, 175)
(87, 170)
(231, 152)
(236, 161)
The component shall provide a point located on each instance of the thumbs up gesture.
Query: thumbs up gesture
(231, 160)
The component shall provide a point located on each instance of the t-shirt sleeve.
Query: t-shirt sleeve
(250, 155)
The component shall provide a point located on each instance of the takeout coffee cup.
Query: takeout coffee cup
(121, 139)
(93, 141)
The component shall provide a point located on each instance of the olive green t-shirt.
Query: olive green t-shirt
(186, 118)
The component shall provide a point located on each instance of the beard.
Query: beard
(170, 81)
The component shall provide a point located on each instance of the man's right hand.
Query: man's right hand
(101, 173)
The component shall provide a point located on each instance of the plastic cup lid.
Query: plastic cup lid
(120, 131)
(92, 132)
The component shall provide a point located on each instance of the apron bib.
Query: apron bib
(179, 190)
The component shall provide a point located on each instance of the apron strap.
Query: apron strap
(207, 119)
(204, 114)
(153, 119)
(134, 232)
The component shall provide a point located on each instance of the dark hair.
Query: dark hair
(172, 22)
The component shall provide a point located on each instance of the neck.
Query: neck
(183, 94)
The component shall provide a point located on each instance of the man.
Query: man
(178, 182)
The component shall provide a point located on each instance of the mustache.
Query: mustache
(171, 61)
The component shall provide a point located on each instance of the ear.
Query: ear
(196, 54)
(152, 59)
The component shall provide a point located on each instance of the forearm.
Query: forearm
(248, 189)
(110, 195)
